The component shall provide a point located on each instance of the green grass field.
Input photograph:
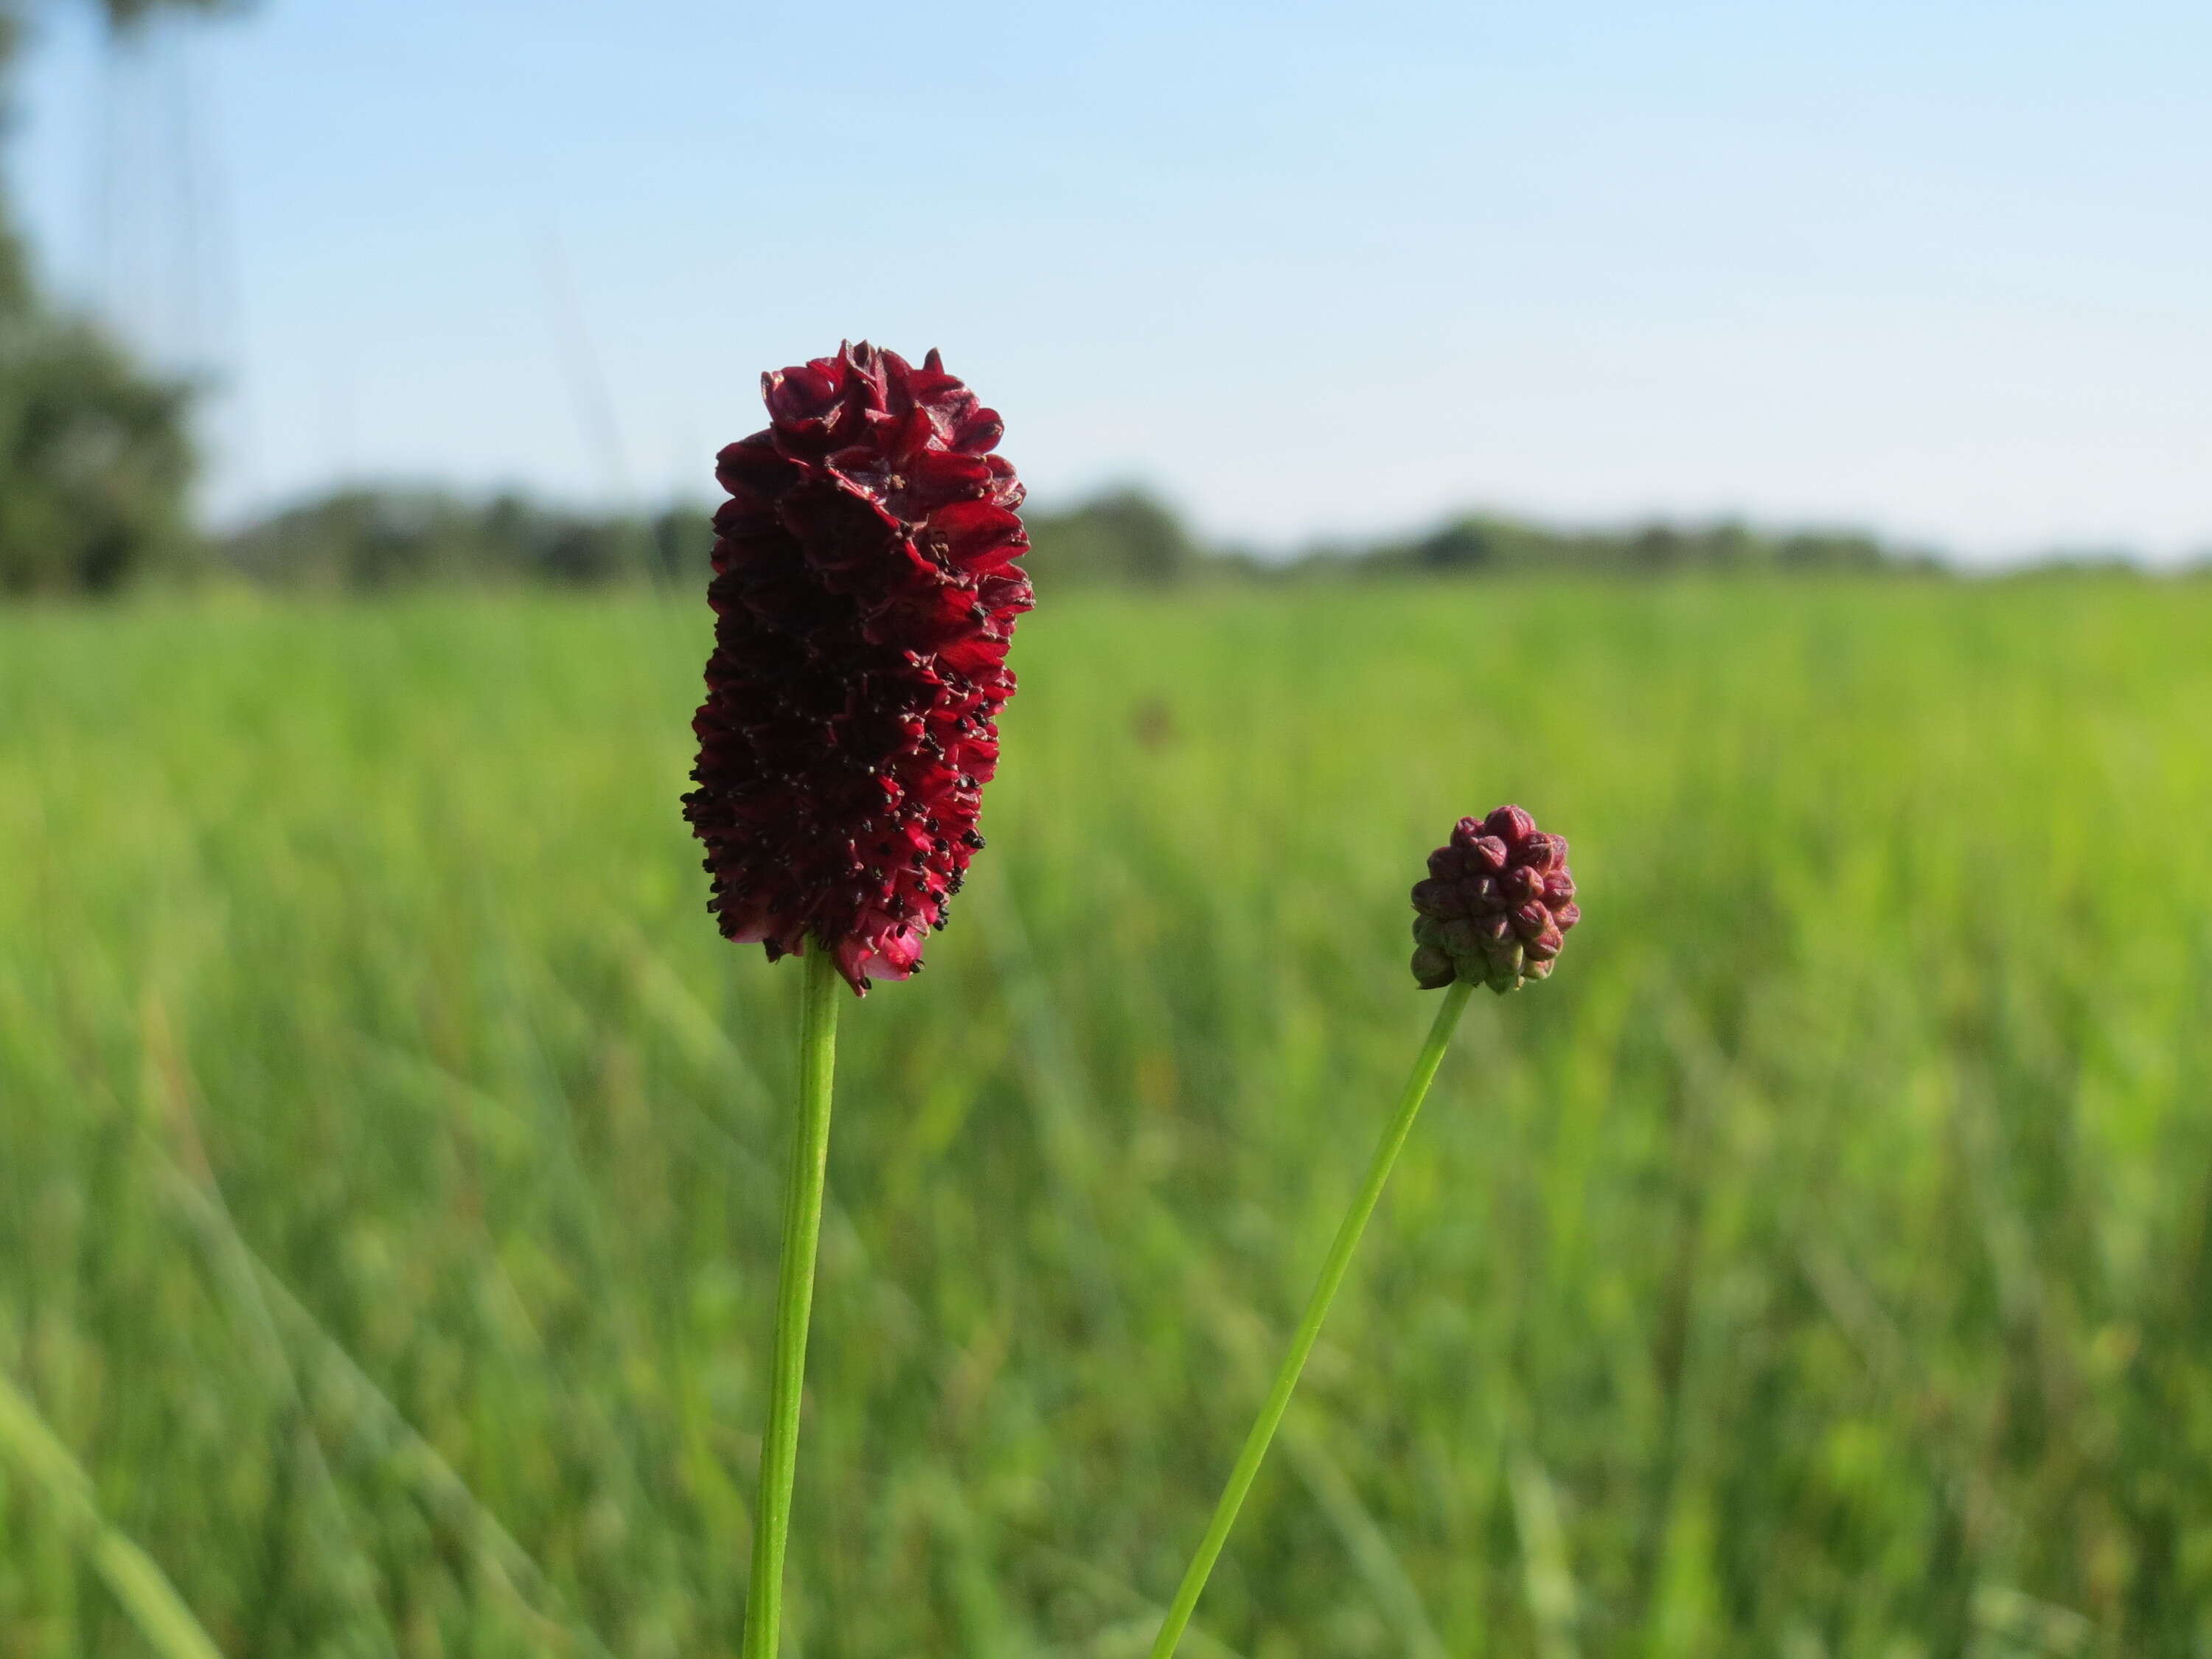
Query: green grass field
(1818, 1266)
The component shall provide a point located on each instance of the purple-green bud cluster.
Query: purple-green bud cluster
(1497, 904)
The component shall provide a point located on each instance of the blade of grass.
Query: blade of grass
(173, 1089)
(137, 1583)
(505, 1564)
(1547, 1579)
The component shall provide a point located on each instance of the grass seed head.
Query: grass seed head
(1496, 906)
(865, 592)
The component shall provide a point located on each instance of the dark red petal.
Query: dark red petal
(1543, 852)
(752, 465)
(974, 534)
(1509, 824)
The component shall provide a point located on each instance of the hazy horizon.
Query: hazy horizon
(1308, 271)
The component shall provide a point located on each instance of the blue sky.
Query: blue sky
(1941, 268)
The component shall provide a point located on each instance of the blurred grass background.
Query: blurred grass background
(390, 1150)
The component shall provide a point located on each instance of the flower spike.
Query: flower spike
(1497, 904)
(865, 592)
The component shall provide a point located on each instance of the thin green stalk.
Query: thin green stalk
(1324, 1292)
(794, 1298)
(140, 1586)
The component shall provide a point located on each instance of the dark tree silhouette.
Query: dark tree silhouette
(95, 457)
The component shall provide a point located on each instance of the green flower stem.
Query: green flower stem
(1324, 1292)
(794, 1298)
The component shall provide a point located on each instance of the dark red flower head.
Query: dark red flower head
(1496, 905)
(865, 592)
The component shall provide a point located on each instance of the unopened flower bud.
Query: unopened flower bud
(1496, 906)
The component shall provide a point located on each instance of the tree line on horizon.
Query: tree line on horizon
(372, 539)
